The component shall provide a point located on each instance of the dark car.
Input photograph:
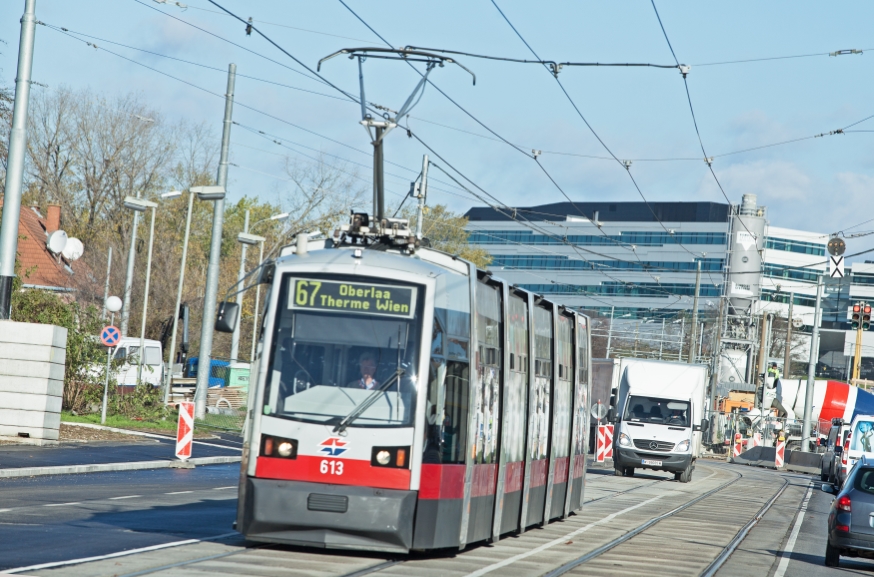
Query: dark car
(851, 517)
(834, 444)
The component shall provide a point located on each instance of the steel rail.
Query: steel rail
(636, 531)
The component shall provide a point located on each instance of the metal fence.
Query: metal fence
(227, 395)
(724, 427)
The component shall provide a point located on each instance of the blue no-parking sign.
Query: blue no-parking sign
(110, 336)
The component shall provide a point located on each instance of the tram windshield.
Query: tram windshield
(345, 352)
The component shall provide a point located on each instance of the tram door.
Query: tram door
(581, 423)
(562, 404)
(485, 404)
(512, 445)
(539, 415)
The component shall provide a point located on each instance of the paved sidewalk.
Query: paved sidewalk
(18, 460)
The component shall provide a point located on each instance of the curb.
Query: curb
(110, 467)
(142, 434)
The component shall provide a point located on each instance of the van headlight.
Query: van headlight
(624, 440)
(682, 446)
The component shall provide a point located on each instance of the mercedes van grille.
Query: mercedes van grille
(653, 445)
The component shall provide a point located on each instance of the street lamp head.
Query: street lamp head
(246, 238)
(208, 192)
(279, 216)
(171, 194)
(113, 304)
(138, 204)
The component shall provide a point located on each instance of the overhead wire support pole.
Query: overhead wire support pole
(17, 152)
(694, 343)
(211, 293)
(811, 366)
(422, 198)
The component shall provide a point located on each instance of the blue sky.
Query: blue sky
(641, 113)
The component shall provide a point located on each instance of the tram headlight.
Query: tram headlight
(395, 457)
(278, 447)
(624, 440)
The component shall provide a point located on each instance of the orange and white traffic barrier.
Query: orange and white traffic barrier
(737, 445)
(781, 448)
(185, 431)
(755, 441)
(608, 441)
(599, 450)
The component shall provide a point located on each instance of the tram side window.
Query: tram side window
(448, 389)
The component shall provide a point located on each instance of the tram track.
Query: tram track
(623, 531)
(671, 536)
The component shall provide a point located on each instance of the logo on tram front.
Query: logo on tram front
(333, 446)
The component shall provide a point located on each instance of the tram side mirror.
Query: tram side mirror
(268, 271)
(226, 318)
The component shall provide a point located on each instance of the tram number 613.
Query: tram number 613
(332, 467)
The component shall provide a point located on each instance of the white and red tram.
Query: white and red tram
(404, 400)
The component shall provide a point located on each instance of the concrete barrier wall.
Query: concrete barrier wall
(32, 360)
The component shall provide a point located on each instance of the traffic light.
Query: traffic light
(857, 315)
(866, 317)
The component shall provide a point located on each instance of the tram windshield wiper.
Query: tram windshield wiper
(366, 404)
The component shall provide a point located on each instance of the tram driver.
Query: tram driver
(367, 367)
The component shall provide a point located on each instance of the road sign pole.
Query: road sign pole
(106, 385)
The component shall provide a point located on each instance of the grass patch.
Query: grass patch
(121, 422)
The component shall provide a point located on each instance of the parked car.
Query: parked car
(851, 517)
(834, 445)
(127, 352)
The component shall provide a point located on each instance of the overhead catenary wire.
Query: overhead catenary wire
(241, 104)
(543, 151)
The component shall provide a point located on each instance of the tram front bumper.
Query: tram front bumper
(328, 516)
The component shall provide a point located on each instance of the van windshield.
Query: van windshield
(657, 410)
(863, 437)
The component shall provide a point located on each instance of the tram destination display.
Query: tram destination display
(352, 297)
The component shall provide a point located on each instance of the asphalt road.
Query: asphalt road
(808, 557)
(55, 518)
(14, 456)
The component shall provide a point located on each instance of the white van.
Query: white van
(660, 417)
(861, 442)
(128, 352)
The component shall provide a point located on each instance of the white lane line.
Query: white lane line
(119, 554)
(222, 488)
(178, 492)
(4, 510)
(790, 544)
(125, 497)
(560, 540)
(62, 504)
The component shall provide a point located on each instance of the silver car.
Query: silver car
(851, 518)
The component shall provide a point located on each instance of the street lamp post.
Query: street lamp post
(212, 193)
(141, 205)
(245, 238)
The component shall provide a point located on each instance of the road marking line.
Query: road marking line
(178, 492)
(560, 540)
(62, 504)
(125, 497)
(119, 554)
(4, 510)
(790, 544)
(221, 488)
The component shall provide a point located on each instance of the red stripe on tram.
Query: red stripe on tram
(538, 472)
(561, 464)
(515, 476)
(441, 482)
(332, 471)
